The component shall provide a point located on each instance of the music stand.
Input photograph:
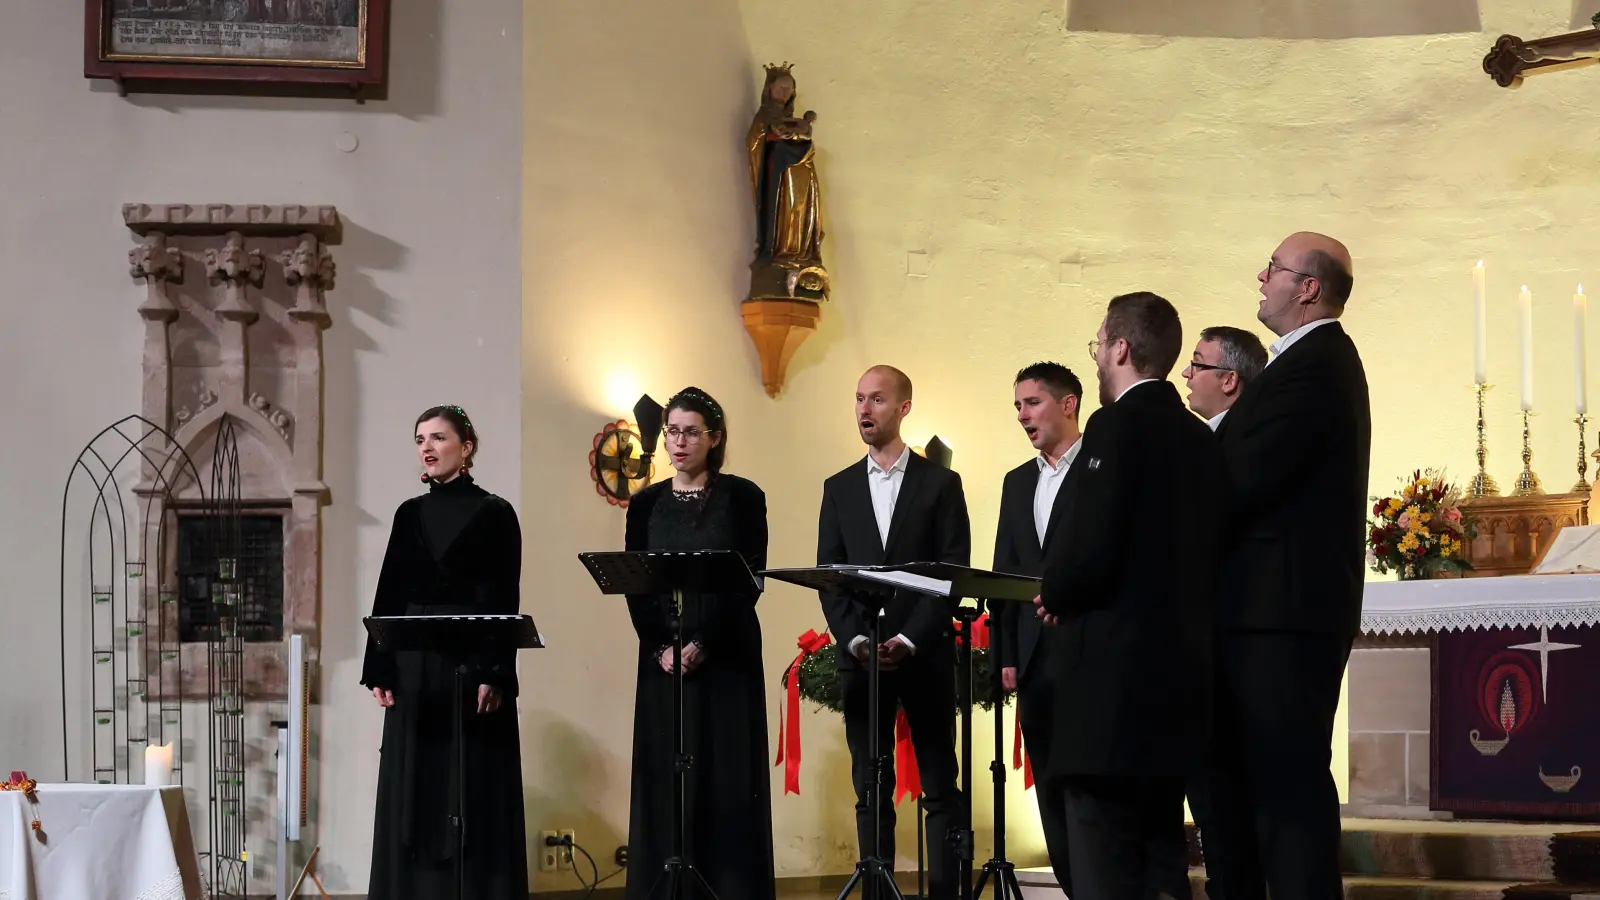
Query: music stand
(458, 639)
(991, 589)
(864, 585)
(680, 575)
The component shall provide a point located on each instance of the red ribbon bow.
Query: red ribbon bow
(789, 725)
(907, 780)
(980, 632)
(1019, 757)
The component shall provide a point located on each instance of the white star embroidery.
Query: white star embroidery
(1544, 648)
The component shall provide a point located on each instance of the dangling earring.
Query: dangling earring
(425, 478)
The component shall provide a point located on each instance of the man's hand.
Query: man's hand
(862, 651)
(890, 654)
(1008, 679)
(488, 698)
(1044, 616)
(385, 697)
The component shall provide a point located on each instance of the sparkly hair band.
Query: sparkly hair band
(694, 394)
(463, 414)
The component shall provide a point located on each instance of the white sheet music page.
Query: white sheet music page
(907, 580)
(1575, 550)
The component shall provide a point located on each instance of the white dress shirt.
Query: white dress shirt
(1049, 485)
(1216, 420)
(1281, 344)
(884, 485)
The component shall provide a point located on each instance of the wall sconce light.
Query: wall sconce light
(938, 452)
(621, 459)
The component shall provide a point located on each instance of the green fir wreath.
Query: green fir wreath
(820, 683)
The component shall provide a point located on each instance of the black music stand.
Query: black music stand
(680, 575)
(458, 639)
(858, 583)
(991, 588)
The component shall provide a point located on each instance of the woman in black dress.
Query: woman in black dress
(455, 550)
(728, 800)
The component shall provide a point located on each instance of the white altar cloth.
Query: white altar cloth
(1461, 604)
(100, 842)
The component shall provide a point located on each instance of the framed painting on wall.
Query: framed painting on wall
(330, 42)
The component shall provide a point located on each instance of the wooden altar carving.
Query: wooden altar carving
(1513, 533)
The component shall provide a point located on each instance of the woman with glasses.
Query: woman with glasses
(728, 804)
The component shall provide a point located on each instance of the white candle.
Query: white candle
(1580, 332)
(1525, 317)
(1480, 324)
(158, 765)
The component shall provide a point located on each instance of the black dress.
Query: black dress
(456, 549)
(729, 799)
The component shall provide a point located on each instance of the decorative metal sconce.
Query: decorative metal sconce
(938, 452)
(621, 459)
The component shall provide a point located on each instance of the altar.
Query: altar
(1476, 696)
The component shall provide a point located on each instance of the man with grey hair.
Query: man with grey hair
(1225, 360)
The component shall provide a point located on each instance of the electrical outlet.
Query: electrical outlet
(549, 851)
(570, 839)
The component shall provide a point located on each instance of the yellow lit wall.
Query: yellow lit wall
(1030, 171)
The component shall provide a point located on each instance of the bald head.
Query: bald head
(1324, 259)
(900, 381)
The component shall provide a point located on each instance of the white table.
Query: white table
(1465, 604)
(98, 842)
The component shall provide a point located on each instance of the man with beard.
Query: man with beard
(1297, 447)
(897, 507)
(1226, 359)
(1046, 396)
(1129, 579)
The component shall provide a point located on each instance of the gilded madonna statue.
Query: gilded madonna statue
(788, 196)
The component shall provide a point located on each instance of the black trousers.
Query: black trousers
(1036, 699)
(1125, 837)
(926, 689)
(1267, 806)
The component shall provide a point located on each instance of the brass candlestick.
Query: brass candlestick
(1482, 483)
(1527, 482)
(1582, 487)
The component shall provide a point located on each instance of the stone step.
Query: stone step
(1458, 851)
(1554, 892)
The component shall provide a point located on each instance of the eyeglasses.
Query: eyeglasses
(1275, 266)
(1094, 350)
(691, 435)
(1207, 367)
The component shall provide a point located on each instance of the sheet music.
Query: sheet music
(920, 583)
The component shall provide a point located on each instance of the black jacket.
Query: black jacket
(1018, 551)
(929, 525)
(1297, 446)
(1132, 572)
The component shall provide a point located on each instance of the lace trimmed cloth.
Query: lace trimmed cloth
(98, 842)
(1463, 604)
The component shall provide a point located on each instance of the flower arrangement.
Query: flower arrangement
(1419, 533)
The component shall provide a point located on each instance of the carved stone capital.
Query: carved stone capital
(309, 269)
(157, 265)
(235, 267)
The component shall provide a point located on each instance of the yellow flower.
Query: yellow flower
(1422, 482)
(1394, 506)
(1409, 492)
(1408, 543)
(1423, 531)
(1426, 516)
(1445, 550)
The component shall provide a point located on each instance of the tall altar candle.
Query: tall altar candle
(1580, 362)
(1480, 325)
(158, 765)
(1525, 317)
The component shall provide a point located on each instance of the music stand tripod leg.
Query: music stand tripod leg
(873, 869)
(461, 780)
(673, 873)
(1003, 871)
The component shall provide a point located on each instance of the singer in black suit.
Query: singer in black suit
(1297, 446)
(1032, 499)
(897, 507)
(1129, 579)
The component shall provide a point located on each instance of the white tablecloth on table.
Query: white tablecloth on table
(100, 842)
(1459, 604)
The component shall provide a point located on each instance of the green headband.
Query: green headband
(693, 394)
